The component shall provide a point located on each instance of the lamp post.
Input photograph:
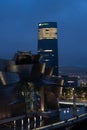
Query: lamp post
(74, 103)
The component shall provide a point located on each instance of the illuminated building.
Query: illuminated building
(36, 85)
(47, 45)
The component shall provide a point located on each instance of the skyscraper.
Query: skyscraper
(47, 45)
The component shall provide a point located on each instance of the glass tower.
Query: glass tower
(47, 45)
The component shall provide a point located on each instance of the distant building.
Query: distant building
(69, 81)
(47, 45)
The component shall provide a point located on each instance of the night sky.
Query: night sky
(19, 27)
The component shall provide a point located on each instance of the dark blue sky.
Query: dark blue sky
(19, 27)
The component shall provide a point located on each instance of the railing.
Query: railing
(32, 120)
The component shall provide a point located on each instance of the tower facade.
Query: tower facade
(48, 45)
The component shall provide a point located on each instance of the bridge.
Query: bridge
(83, 103)
(37, 121)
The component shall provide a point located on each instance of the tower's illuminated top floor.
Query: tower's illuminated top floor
(47, 30)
